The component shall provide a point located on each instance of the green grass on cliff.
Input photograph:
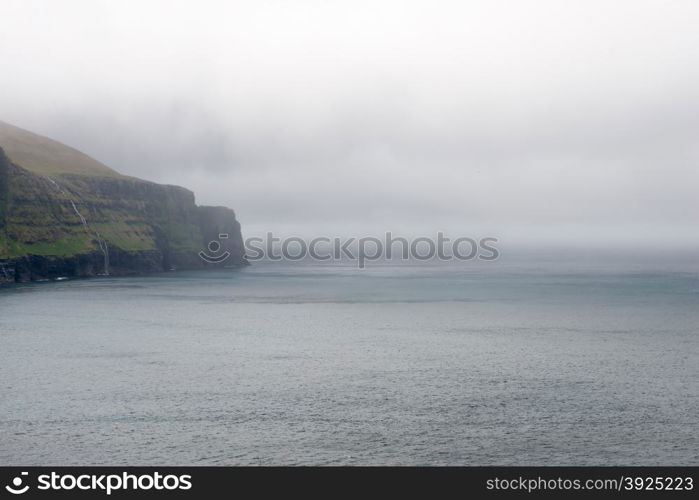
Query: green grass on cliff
(129, 237)
(75, 240)
(66, 245)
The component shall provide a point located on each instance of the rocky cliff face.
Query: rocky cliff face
(77, 224)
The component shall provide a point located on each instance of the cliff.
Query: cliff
(63, 214)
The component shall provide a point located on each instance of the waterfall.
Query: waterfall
(102, 243)
(4, 271)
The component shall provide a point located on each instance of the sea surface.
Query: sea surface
(327, 364)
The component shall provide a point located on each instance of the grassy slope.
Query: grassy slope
(45, 156)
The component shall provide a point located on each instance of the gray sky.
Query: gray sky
(571, 121)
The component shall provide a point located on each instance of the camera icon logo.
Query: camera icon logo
(214, 247)
(16, 487)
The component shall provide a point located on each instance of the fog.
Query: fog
(531, 121)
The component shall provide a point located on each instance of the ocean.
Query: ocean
(300, 364)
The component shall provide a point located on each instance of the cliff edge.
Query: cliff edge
(64, 214)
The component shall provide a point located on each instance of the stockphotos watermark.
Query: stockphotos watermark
(361, 250)
(104, 483)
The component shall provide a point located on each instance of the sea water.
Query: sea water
(327, 364)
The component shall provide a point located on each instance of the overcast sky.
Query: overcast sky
(568, 120)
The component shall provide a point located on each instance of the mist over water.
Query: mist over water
(312, 364)
(524, 120)
(566, 130)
